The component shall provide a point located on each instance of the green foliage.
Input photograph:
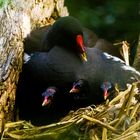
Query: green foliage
(110, 19)
(1, 3)
(4, 3)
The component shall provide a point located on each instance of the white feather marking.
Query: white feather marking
(124, 66)
(114, 58)
(26, 58)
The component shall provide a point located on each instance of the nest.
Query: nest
(118, 119)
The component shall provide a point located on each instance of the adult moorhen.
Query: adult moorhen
(67, 32)
(61, 67)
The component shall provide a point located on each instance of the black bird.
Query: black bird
(108, 90)
(61, 67)
(48, 95)
(56, 98)
(39, 103)
(67, 29)
(67, 32)
(81, 91)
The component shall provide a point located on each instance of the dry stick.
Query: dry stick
(133, 112)
(5, 130)
(78, 121)
(95, 137)
(93, 134)
(132, 128)
(37, 129)
(132, 92)
(13, 124)
(120, 121)
(104, 134)
(101, 114)
(114, 121)
(33, 136)
(127, 102)
(100, 123)
(56, 124)
(122, 109)
(21, 134)
(128, 136)
(121, 94)
(14, 136)
(125, 49)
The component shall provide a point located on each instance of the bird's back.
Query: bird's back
(104, 67)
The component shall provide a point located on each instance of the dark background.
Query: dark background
(114, 20)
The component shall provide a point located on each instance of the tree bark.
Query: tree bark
(17, 21)
(136, 64)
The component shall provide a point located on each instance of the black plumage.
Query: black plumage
(81, 92)
(63, 33)
(59, 65)
(30, 96)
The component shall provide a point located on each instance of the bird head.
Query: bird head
(68, 32)
(79, 89)
(48, 96)
(107, 88)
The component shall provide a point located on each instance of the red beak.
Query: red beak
(80, 42)
(74, 90)
(105, 94)
(46, 102)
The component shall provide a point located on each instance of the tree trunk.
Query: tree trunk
(137, 57)
(17, 20)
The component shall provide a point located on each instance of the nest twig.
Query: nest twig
(117, 120)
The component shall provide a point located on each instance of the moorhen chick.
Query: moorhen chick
(56, 98)
(81, 91)
(39, 104)
(48, 95)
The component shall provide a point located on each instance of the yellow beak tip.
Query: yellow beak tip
(84, 57)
